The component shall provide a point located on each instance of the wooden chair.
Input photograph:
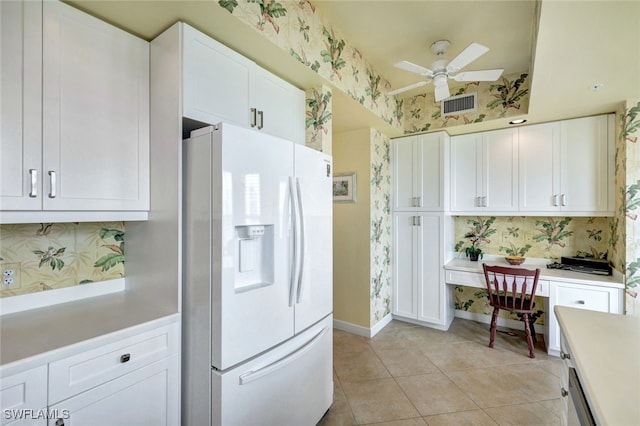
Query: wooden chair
(514, 290)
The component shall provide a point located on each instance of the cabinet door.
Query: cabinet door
(20, 108)
(402, 168)
(500, 170)
(429, 171)
(147, 396)
(429, 283)
(216, 81)
(23, 397)
(539, 154)
(404, 263)
(95, 113)
(279, 106)
(584, 165)
(466, 173)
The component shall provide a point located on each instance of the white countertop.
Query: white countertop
(614, 280)
(606, 351)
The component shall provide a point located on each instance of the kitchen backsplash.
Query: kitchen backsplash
(38, 257)
(542, 237)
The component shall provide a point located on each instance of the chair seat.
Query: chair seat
(513, 304)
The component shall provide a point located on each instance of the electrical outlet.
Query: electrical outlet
(10, 276)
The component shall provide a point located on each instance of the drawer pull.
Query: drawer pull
(564, 392)
(580, 302)
(564, 355)
(59, 422)
(124, 358)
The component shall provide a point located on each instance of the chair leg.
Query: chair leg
(533, 330)
(527, 329)
(494, 321)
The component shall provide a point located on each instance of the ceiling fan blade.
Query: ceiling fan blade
(411, 86)
(408, 66)
(442, 92)
(482, 75)
(468, 55)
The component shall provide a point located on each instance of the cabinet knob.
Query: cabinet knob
(125, 358)
(564, 392)
(564, 355)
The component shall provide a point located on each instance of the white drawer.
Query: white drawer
(91, 368)
(585, 297)
(475, 279)
(21, 392)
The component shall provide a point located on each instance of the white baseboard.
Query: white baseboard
(502, 322)
(361, 330)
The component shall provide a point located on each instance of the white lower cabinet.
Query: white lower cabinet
(129, 377)
(592, 297)
(144, 397)
(419, 246)
(23, 397)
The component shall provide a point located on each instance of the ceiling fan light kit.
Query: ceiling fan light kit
(442, 70)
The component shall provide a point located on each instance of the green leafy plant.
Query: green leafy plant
(117, 251)
(515, 251)
(479, 232)
(51, 256)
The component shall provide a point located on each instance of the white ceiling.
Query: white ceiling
(567, 45)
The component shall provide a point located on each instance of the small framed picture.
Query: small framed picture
(344, 187)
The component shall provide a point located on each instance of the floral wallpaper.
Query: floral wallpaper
(505, 98)
(47, 256)
(318, 118)
(627, 220)
(296, 27)
(550, 237)
(380, 227)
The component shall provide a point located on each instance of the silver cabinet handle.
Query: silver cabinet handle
(261, 116)
(564, 355)
(563, 200)
(484, 201)
(555, 200)
(477, 202)
(253, 117)
(33, 191)
(564, 392)
(52, 181)
(418, 201)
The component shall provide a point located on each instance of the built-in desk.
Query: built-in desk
(558, 287)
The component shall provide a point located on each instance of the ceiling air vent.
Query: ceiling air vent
(459, 104)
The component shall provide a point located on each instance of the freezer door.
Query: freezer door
(289, 385)
(314, 272)
(238, 243)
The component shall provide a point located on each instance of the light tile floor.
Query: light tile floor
(410, 375)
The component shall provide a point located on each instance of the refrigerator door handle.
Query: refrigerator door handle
(251, 376)
(294, 261)
(302, 242)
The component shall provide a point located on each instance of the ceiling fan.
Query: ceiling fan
(442, 70)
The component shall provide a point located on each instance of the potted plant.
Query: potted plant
(473, 251)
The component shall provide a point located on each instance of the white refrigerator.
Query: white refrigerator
(257, 294)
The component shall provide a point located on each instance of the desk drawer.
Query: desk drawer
(585, 297)
(475, 279)
(78, 373)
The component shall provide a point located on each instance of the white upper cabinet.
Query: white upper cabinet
(567, 167)
(21, 107)
(484, 172)
(222, 85)
(420, 172)
(88, 148)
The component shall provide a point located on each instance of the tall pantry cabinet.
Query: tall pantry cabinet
(422, 230)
